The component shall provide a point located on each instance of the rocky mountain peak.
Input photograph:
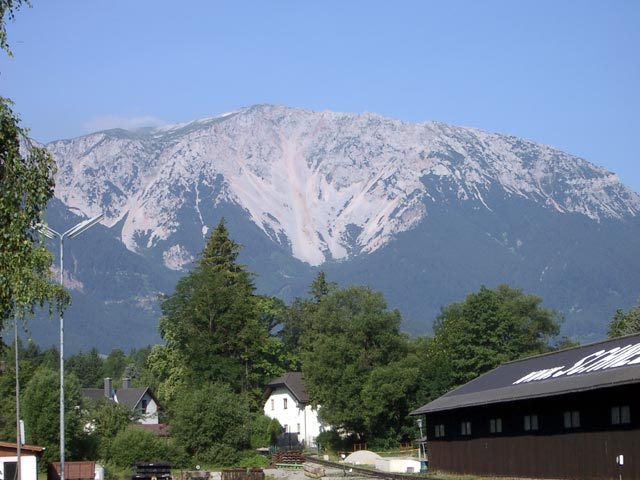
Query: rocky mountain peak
(326, 185)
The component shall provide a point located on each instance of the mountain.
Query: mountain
(426, 213)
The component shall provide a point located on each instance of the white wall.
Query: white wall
(150, 415)
(27, 462)
(298, 418)
(398, 465)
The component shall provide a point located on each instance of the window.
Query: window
(620, 415)
(495, 425)
(144, 404)
(273, 404)
(465, 428)
(530, 423)
(284, 403)
(298, 428)
(572, 419)
(439, 431)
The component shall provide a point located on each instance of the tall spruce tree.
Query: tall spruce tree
(212, 321)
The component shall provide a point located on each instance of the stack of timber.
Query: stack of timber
(289, 459)
(313, 471)
(243, 474)
(152, 471)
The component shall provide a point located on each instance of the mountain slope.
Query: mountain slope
(424, 212)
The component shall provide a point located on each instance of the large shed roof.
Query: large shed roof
(598, 365)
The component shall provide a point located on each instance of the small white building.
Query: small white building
(288, 402)
(138, 399)
(29, 455)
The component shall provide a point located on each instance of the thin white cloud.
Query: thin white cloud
(108, 122)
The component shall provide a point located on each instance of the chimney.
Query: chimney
(108, 388)
(125, 382)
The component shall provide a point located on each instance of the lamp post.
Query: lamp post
(71, 233)
(419, 422)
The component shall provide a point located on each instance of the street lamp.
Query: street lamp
(419, 422)
(71, 233)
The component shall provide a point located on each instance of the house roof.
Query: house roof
(11, 447)
(294, 382)
(588, 367)
(130, 397)
(94, 394)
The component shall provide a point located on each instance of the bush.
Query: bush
(330, 440)
(205, 417)
(260, 431)
(133, 444)
(219, 455)
(250, 460)
(274, 429)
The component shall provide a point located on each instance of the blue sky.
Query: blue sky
(563, 73)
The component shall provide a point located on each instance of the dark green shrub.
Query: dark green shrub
(250, 459)
(219, 455)
(133, 444)
(330, 440)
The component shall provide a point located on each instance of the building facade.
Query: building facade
(287, 401)
(571, 414)
(29, 455)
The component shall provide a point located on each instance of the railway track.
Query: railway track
(360, 471)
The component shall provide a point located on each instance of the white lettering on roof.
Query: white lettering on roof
(600, 360)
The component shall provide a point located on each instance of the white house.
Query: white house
(139, 400)
(287, 402)
(28, 461)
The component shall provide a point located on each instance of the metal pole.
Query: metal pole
(18, 430)
(72, 232)
(62, 476)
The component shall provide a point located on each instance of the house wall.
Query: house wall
(397, 465)
(27, 462)
(150, 414)
(585, 452)
(298, 418)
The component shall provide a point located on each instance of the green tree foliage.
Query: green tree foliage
(625, 323)
(26, 176)
(212, 323)
(349, 334)
(41, 412)
(296, 318)
(210, 417)
(107, 419)
(133, 444)
(261, 431)
(274, 429)
(8, 9)
(115, 364)
(168, 371)
(31, 359)
(388, 396)
(87, 367)
(488, 328)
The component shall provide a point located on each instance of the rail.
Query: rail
(363, 471)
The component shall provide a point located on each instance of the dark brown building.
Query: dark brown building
(571, 414)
